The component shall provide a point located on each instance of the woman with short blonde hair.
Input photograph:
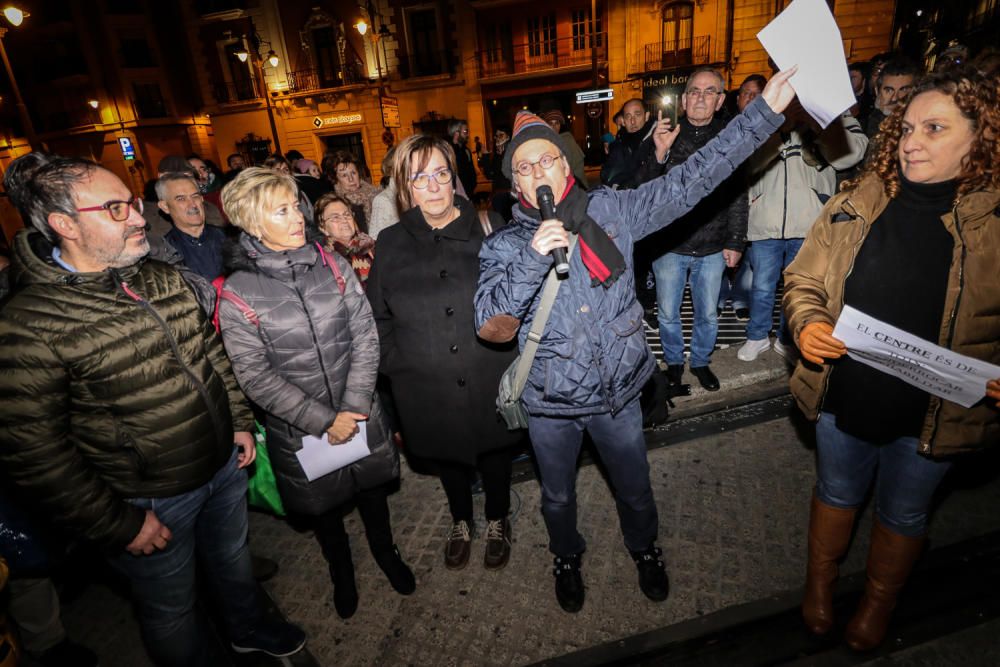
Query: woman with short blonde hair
(320, 380)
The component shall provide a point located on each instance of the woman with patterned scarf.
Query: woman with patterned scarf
(335, 219)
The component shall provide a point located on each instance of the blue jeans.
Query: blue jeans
(768, 258)
(905, 481)
(212, 522)
(619, 441)
(671, 271)
(739, 289)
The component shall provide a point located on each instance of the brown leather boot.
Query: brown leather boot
(889, 564)
(829, 536)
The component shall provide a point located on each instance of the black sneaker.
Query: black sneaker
(652, 574)
(276, 638)
(706, 378)
(569, 583)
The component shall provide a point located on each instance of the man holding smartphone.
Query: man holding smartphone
(699, 246)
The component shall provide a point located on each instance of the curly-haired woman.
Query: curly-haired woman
(345, 172)
(914, 242)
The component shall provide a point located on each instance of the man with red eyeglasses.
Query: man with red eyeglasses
(120, 416)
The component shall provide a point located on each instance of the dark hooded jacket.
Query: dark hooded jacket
(632, 159)
(314, 353)
(113, 385)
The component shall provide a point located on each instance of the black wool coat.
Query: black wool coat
(444, 377)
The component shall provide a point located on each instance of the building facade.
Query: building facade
(216, 77)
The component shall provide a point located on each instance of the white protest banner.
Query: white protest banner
(805, 34)
(935, 369)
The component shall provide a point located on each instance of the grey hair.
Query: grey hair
(50, 189)
(456, 126)
(170, 177)
(706, 70)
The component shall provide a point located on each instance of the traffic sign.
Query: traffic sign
(603, 95)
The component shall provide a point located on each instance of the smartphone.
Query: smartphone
(668, 105)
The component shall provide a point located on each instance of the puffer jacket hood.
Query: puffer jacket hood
(326, 362)
(593, 357)
(105, 420)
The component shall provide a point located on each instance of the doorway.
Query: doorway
(353, 144)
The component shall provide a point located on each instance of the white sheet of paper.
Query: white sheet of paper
(805, 34)
(935, 369)
(318, 457)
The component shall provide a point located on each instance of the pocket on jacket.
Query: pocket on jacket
(123, 439)
(628, 322)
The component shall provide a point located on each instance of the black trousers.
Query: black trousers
(494, 469)
(374, 510)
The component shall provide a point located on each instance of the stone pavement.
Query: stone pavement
(733, 514)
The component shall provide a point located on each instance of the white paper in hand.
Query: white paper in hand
(318, 457)
(805, 34)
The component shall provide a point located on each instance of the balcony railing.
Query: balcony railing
(237, 91)
(677, 53)
(352, 73)
(539, 55)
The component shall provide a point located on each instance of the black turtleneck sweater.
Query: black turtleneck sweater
(900, 276)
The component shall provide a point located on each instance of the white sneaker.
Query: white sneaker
(752, 349)
(789, 352)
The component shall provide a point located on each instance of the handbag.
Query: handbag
(513, 380)
(262, 486)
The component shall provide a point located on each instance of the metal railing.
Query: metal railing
(353, 72)
(539, 55)
(236, 91)
(677, 53)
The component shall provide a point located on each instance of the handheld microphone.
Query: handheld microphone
(547, 206)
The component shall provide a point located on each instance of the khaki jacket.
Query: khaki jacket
(814, 292)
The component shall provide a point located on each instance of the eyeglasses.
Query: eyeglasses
(708, 93)
(526, 167)
(118, 209)
(338, 217)
(421, 181)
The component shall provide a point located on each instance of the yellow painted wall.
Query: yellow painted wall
(232, 127)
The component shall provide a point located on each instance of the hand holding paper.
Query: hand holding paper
(344, 427)
(779, 93)
(816, 343)
(993, 390)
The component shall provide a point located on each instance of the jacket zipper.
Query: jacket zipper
(843, 285)
(312, 332)
(199, 385)
(925, 447)
(784, 203)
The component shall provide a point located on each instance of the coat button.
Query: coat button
(437, 238)
(584, 308)
(449, 311)
(461, 382)
(444, 274)
(454, 349)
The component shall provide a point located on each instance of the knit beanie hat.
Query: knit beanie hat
(554, 116)
(528, 126)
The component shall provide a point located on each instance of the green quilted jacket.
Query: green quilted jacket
(113, 385)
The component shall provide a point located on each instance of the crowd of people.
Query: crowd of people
(143, 336)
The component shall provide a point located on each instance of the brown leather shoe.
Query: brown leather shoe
(459, 545)
(890, 561)
(829, 536)
(498, 538)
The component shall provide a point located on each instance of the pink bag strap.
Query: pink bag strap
(249, 313)
(341, 283)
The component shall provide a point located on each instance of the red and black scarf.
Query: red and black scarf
(603, 259)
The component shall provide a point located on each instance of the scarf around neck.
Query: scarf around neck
(604, 261)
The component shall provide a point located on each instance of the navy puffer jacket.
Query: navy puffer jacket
(593, 357)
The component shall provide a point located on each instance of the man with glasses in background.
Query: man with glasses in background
(593, 359)
(120, 415)
(700, 245)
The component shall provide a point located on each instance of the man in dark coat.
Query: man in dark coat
(97, 432)
(458, 131)
(701, 244)
(593, 359)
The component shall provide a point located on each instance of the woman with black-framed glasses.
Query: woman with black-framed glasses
(444, 379)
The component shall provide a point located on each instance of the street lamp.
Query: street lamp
(16, 17)
(362, 26)
(255, 43)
